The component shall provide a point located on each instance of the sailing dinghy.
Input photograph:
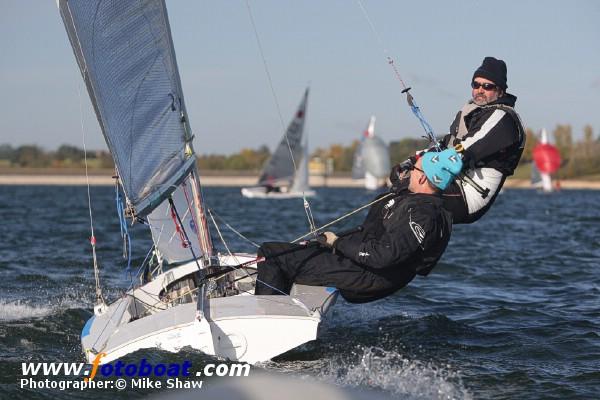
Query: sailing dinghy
(371, 160)
(285, 175)
(188, 294)
(546, 161)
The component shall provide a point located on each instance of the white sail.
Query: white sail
(284, 177)
(371, 159)
(126, 57)
(125, 53)
(300, 184)
(176, 240)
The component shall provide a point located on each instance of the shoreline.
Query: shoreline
(217, 178)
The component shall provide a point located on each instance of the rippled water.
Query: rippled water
(512, 311)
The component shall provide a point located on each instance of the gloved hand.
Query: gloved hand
(327, 239)
(399, 176)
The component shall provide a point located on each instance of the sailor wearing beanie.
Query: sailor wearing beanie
(489, 134)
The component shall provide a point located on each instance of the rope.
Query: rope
(123, 225)
(314, 232)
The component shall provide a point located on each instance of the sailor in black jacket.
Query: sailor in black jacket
(490, 135)
(402, 236)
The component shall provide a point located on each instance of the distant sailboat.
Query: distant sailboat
(546, 161)
(282, 177)
(536, 177)
(187, 294)
(371, 159)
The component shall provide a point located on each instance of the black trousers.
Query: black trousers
(313, 265)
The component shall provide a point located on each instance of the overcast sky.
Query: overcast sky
(552, 49)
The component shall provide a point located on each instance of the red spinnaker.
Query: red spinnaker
(546, 158)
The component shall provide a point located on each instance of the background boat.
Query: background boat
(371, 161)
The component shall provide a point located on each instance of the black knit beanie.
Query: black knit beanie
(493, 70)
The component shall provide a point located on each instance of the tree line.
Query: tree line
(579, 157)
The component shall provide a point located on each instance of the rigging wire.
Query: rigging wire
(335, 221)
(465, 178)
(313, 231)
(405, 89)
(221, 236)
(266, 66)
(99, 297)
(264, 60)
(225, 243)
(211, 211)
(240, 266)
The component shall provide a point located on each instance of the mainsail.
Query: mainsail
(125, 53)
(280, 169)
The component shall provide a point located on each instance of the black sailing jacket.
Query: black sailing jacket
(492, 143)
(493, 139)
(401, 237)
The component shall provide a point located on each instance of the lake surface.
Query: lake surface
(512, 311)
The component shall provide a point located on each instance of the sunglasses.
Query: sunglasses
(485, 86)
(417, 168)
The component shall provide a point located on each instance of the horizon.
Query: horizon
(552, 69)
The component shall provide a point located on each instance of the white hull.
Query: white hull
(242, 327)
(260, 192)
(546, 183)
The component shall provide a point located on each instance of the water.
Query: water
(512, 311)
